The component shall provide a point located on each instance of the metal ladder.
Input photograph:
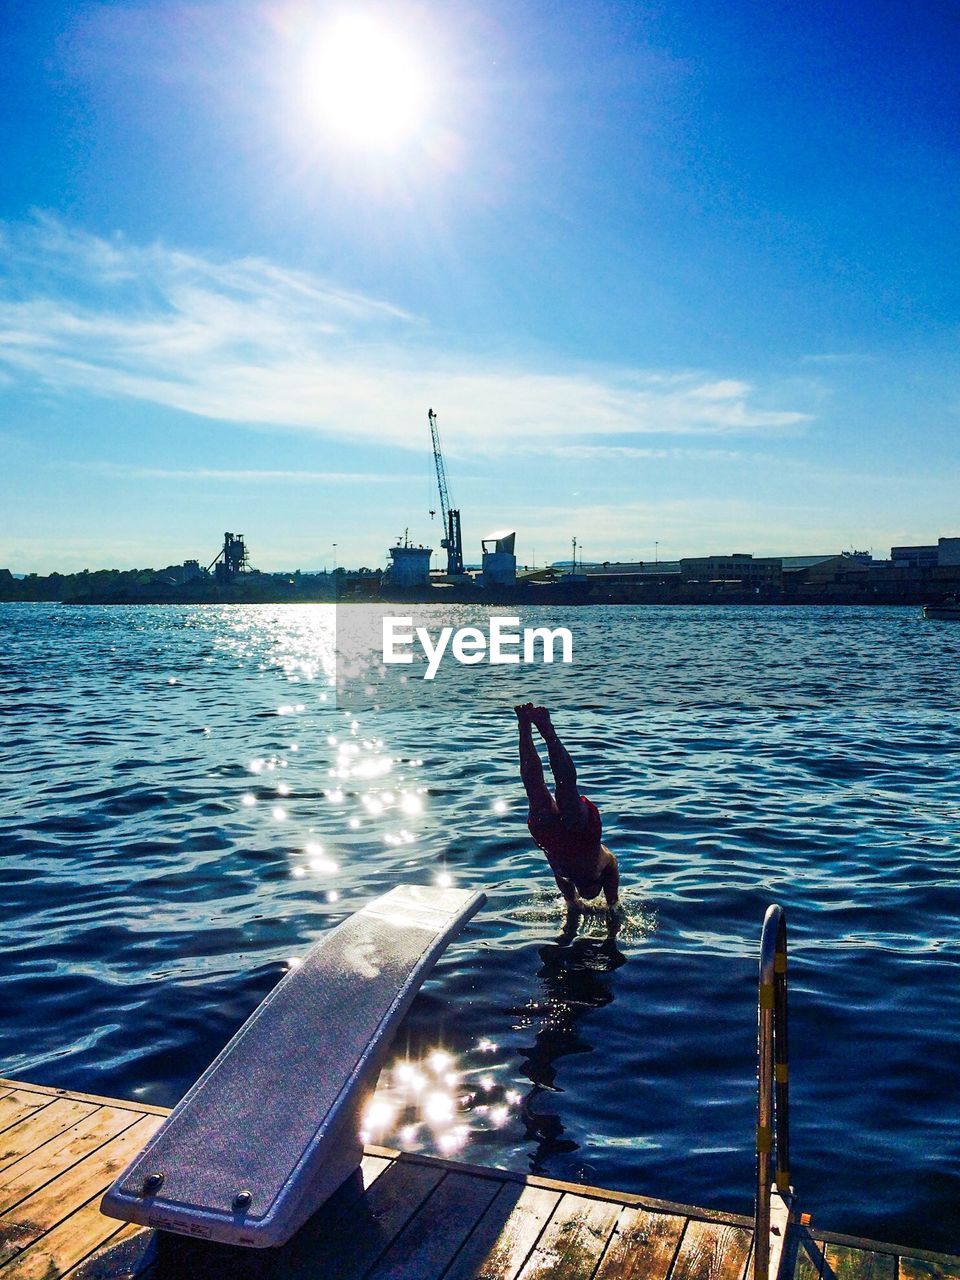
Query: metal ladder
(774, 1195)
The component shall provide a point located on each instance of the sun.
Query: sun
(367, 84)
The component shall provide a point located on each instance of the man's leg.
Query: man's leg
(563, 768)
(531, 768)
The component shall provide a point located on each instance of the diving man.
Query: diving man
(566, 827)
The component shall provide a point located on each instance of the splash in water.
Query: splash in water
(637, 918)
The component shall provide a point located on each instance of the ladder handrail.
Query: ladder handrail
(772, 1080)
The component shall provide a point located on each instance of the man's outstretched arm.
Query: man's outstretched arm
(610, 880)
(568, 889)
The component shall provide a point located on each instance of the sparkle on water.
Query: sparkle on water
(439, 1101)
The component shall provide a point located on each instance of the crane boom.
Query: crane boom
(441, 470)
(451, 542)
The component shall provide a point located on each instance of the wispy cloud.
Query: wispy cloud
(247, 341)
(834, 476)
(123, 471)
(839, 358)
(628, 452)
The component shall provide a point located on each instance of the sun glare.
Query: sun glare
(367, 84)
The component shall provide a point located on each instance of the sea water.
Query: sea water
(186, 806)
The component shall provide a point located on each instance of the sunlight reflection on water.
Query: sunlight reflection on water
(440, 1100)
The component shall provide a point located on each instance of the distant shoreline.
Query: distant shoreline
(542, 597)
(846, 578)
(836, 580)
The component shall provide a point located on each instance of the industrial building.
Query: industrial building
(231, 560)
(945, 553)
(739, 567)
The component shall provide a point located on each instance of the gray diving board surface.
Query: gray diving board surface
(271, 1128)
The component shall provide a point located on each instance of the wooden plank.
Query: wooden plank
(578, 1188)
(48, 1206)
(345, 1239)
(572, 1240)
(879, 1246)
(843, 1262)
(388, 1153)
(643, 1246)
(639, 1202)
(711, 1251)
(36, 1129)
(501, 1242)
(921, 1269)
(33, 1170)
(61, 1248)
(432, 1237)
(144, 1108)
(127, 1255)
(20, 1103)
(371, 1168)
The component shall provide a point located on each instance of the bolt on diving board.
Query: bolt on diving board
(272, 1127)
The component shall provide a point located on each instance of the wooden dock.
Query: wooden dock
(405, 1217)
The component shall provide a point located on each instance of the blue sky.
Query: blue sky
(678, 277)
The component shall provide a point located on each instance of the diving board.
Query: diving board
(271, 1129)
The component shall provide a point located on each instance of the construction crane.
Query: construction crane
(451, 541)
